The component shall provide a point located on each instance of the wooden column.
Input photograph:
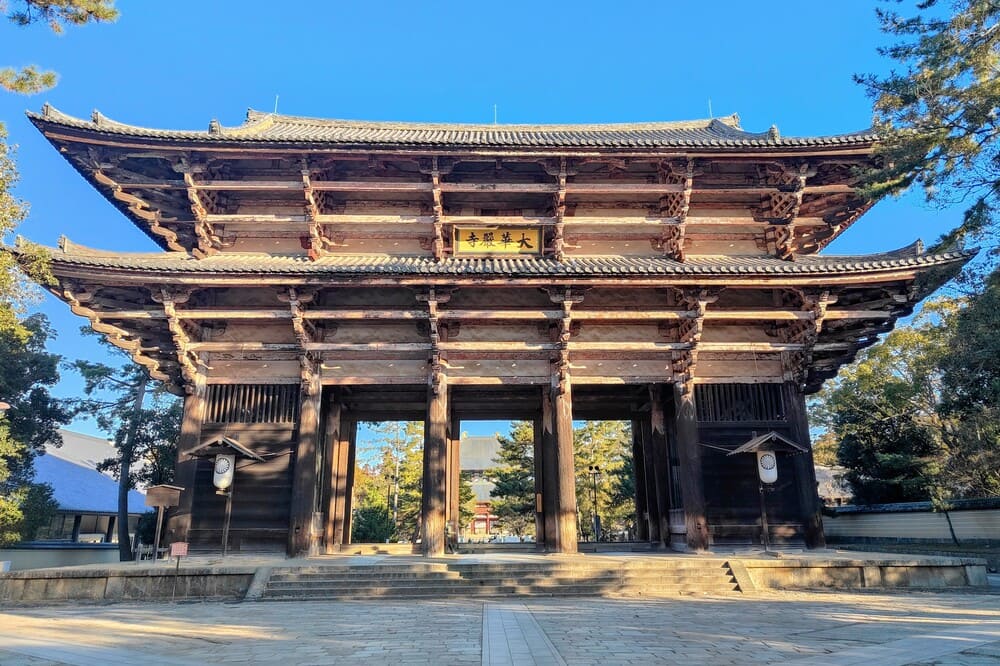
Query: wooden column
(337, 514)
(301, 540)
(661, 460)
(434, 496)
(805, 469)
(352, 454)
(537, 459)
(331, 437)
(454, 478)
(565, 486)
(550, 471)
(689, 457)
(179, 520)
(652, 493)
(639, 483)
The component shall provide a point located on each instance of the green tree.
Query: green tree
(883, 410)
(15, 291)
(513, 493)
(938, 113)
(971, 394)
(606, 445)
(143, 434)
(27, 372)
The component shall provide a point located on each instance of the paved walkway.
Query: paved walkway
(799, 628)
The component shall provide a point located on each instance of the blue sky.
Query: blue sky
(179, 64)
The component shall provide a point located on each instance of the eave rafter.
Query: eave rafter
(98, 164)
(192, 367)
(78, 296)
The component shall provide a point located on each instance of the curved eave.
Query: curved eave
(708, 136)
(934, 269)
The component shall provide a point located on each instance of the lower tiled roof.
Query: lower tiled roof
(583, 266)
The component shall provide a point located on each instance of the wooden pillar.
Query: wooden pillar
(434, 496)
(689, 457)
(352, 455)
(550, 472)
(652, 492)
(339, 429)
(537, 459)
(454, 513)
(661, 460)
(565, 485)
(639, 483)
(805, 469)
(179, 520)
(301, 540)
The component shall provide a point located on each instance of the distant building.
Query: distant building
(831, 487)
(88, 499)
(477, 454)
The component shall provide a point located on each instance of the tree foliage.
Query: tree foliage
(144, 434)
(939, 112)
(607, 445)
(916, 418)
(513, 477)
(58, 14)
(27, 372)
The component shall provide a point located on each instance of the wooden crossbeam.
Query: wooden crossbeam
(381, 314)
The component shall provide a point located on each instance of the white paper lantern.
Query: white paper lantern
(225, 466)
(767, 466)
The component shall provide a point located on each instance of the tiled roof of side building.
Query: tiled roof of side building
(582, 266)
(721, 133)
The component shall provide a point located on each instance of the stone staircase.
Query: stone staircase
(474, 580)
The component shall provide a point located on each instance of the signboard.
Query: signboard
(179, 549)
(163, 495)
(486, 241)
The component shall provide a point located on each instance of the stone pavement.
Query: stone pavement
(798, 628)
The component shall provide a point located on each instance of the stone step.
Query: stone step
(493, 591)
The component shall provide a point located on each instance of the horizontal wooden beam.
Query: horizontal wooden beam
(472, 187)
(392, 314)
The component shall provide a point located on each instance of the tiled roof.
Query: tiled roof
(722, 133)
(583, 266)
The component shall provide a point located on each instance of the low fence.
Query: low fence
(965, 522)
(47, 555)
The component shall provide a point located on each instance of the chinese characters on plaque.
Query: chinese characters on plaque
(497, 240)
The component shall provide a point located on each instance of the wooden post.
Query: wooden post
(565, 487)
(179, 519)
(689, 456)
(337, 515)
(537, 458)
(805, 469)
(639, 482)
(300, 528)
(434, 496)
(661, 460)
(332, 443)
(652, 493)
(352, 455)
(454, 478)
(550, 472)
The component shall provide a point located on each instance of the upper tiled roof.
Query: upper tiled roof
(720, 133)
(231, 263)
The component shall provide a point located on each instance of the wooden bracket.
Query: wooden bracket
(141, 209)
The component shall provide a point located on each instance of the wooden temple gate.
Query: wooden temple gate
(320, 273)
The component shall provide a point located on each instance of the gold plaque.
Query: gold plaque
(485, 241)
